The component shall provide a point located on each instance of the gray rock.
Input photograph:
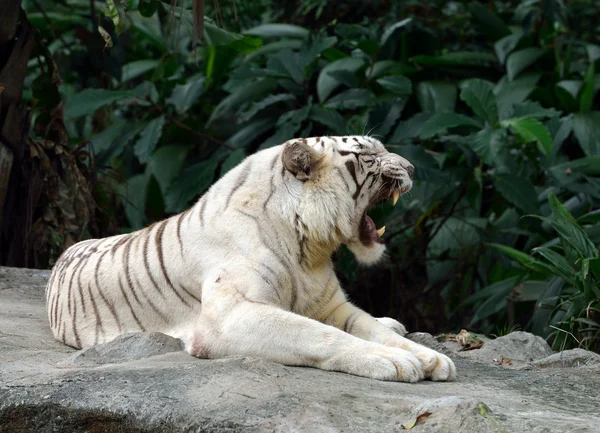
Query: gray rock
(174, 392)
(519, 347)
(569, 359)
(126, 347)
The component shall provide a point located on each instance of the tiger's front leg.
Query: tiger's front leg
(351, 319)
(237, 321)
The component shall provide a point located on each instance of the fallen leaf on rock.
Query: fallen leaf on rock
(468, 340)
(415, 421)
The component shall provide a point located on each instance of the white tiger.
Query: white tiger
(248, 271)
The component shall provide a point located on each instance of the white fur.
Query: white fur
(247, 270)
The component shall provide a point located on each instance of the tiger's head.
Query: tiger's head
(337, 180)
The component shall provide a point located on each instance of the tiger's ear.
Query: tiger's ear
(301, 160)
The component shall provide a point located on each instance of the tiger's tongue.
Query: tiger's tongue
(372, 230)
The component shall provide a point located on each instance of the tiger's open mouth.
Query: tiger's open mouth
(367, 231)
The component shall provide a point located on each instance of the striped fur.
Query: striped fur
(247, 270)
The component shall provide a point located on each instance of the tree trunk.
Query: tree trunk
(16, 43)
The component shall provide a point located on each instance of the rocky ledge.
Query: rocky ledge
(144, 382)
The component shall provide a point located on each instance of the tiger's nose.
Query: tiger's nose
(410, 169)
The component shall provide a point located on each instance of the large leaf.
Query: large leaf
(530, 130)
(149, 138)
(266, 102)
(488, 144)
(518, 191)
(506, 45)
(185, 95)
(105, 139)
(191, 183)
(457, 58)
(513, 92)
(489, 22)
(276, 30)
(134, 194)
(586, 127)
(588, 90)
(525, 259)
(166, 162)
(533, 109)
(136, 68)
(441, 121)
(329, 118)
(559, 265)
(396, 84)
(326, 84)
(436, 96)
(520, 60)
(89, 100)
(410, 128)
(272, 47)
(384, 116)
(478, 94)
(387, 34)
(242, 96)
(351, 99)
(232, 160)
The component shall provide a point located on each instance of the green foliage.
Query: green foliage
(496, 105)
(571, 266)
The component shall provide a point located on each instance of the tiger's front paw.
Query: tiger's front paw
(392, 324)
(436, 366)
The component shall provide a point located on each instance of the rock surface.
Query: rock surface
(46, 386)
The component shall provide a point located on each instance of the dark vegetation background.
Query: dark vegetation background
(111, 117)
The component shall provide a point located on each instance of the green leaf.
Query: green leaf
(329, 118)
(513, 92)
(436, 96)
(246, 135)
(185, 95)
(190, 184)
(457, 58)
(232, 160)
(384, 116)
(396, 84)
(388, 67)
(441, 121)
(288, 62)
(559, 265)
(409, 128)
(488, 144)
(478, 94)
(347, 78)
(520, 60)
(489, 22)
(588, 90)
(530, 130)
(149, 138)
(506, 45)
(266, 102)
(136, 68)
(533, 109)
(273, 47)
(242, 96)
(368, 46)
(351, 99)
(586, 127)
(326, 84)
(105, 139)
(165, 163)
(275, 30)
(387, 34)
(525, 259)
(518, 191)
(574, 170)
(134, 194)
(89, 100)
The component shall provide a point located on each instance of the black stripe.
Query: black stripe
(179, 220)
(243, 176)
(99, 325)
(350, 321)
(147, 264)
(161, 260)
(126, 254)
(190, 294)
(154, 307)
(129, 305)
(110, 306)
(119, 243)
(202, 206)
